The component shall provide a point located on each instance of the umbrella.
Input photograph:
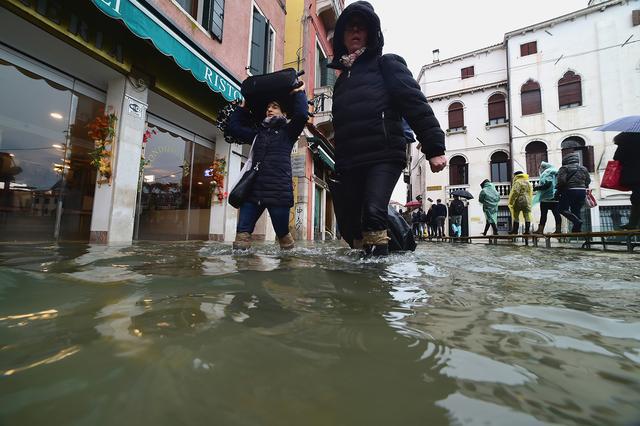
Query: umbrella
(462, 193)
(629, 124)
(411, 204)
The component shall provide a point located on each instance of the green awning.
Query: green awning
(145, 25)
(326, 159)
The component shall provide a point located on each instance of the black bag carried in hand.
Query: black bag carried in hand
(241, 191)
(259, 90)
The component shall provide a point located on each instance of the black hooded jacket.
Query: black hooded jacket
(371, 98)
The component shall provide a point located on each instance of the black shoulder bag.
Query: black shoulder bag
(242, 189)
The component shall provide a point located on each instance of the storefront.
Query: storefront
(60, 68)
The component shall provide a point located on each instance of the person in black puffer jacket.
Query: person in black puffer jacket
(273, 186)
(371, 97)
(628, 154)
(573, 182)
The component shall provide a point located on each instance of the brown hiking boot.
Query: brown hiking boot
(287, 242)
(243, 241)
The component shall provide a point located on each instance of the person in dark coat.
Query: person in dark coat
(273, 186)
(628, 154)
(440, 214)
(456, 210)
(371, 97)
(573, 182)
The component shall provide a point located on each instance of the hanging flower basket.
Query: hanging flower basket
(146, 137)
(102, 131)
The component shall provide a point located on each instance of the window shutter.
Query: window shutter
(524, 49)
(529, 48)
(570, 89)
(258, 64)
(497, 107)
(531, 98)
(217, 18)
(456, 116)
(635, 17)
(467, 72)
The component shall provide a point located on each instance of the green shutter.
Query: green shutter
(258, 63)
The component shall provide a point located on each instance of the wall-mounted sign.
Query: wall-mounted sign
(434, 188)
(134, 107)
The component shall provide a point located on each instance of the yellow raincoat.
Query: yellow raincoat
(521, 197)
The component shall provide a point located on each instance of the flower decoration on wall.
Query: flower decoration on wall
(218, 169)
(102, 130)
(146, 137)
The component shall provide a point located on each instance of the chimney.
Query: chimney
(436, 55)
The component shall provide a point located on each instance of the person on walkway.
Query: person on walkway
(546, 196)
(428, 220)
(440, 214)
(628, 154)
(415, 220)
(456, 210)
(272, 188)
(573, 181)
(489, 198)
(370, 98)
(520, 200)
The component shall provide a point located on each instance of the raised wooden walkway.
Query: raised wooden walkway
(630, 239)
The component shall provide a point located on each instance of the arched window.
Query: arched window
(578, 145)
(570, 90)
(497, 109)
(500, 167)
(456, 116)
(536, 153)
(458, 171)
(531, 98)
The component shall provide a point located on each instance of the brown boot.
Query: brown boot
(243, 241)
(357, 245)
(287, 242)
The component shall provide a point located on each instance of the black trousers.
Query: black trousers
(545, 207)
(367, 193)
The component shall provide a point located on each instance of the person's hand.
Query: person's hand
(438, 163)
(242, 104)
(298, 89)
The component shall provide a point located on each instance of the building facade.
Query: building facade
(308, 48)
(535, 97)
(161, 70)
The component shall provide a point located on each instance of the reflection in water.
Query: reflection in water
(190, 332)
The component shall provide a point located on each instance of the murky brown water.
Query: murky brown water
(188, 333)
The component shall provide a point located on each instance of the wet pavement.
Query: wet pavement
(191, 333)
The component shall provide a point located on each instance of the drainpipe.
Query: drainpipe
(510, 110)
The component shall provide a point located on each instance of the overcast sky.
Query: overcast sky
(414, 28)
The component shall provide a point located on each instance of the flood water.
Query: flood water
(189, 333)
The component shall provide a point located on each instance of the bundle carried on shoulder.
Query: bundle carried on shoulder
(259, 90)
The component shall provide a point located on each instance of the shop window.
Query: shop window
(497, 109)
(46, 180)
(456, 116)
(613, 217)
(262, 39)
(175, 199)
(530, 48)
(536, 153)
(458, 171)
(467, 72)
(500, 167)
(577, 144)
(213, 17)
(531, 98)
(570, 90)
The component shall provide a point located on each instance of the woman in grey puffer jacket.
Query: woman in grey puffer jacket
(573, 182)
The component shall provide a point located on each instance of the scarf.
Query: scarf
(274, 121)
(349, 59)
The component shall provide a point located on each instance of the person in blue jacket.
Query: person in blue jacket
(272, 188)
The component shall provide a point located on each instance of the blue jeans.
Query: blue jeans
(251, 212)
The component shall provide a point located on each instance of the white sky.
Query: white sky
(414, 28)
